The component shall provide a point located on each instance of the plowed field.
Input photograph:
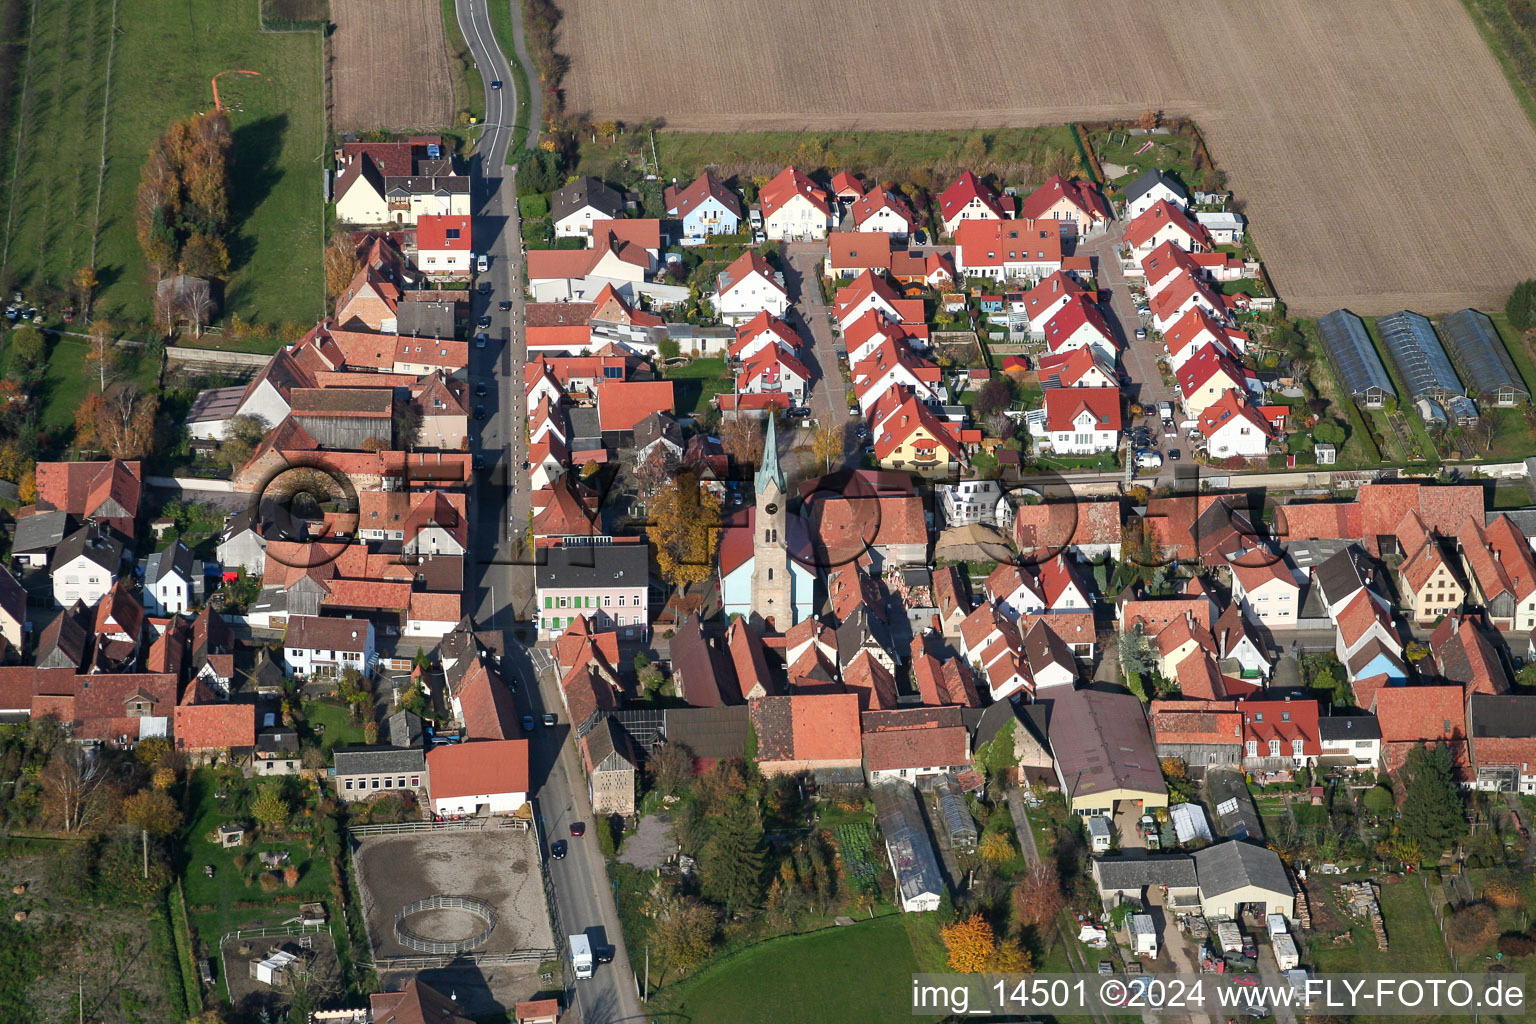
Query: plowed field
(1382, 158)
(390, 65)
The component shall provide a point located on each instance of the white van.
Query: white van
(483, 263)
(1148, 459)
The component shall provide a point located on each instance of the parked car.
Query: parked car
(478, 461)
(527, 723)
(480, 389)
(481, 339)
(482, 263)
(549, 719)
(485, 287)
(557, 849)
(505, 305)
(479, 412)
(578, 829)
(1141, 332)
(485, 321)
(1173, 454)
(1146, 458)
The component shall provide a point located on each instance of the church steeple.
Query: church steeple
(769, 471)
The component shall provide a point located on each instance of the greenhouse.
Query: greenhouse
(1415, 350)
(1354, 358)
(1479, 355)
(918, 881)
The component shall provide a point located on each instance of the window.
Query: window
(401, 783)
(1274, 748)
(349, 781)
(1253, 748)
(1296, 748)
(375, 783)
(415, 781)
(563, 601)
(770, 575)
(607, 600)
(1285, 716)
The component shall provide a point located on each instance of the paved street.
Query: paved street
(811, 316)
(502, 577)
(1139, 357)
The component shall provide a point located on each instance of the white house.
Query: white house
(866, 334)
(1182, 295)
(85, 564)
(1226, 228)
(1079, 324)
(1082, 421)
(574, 207)
(433, 615)
(168, 580)
(761, 331)
(892, 366)
(1354, 736)
(975, 501)
(968, 199)
(1166, 222)
(1080, 367)
(489, 776)
(1045, 299)
(323, 645)
(1009, 250)
(748, 287)
(1015, 591)
(775, 372)
(868, 292)
(1265, 588)
(444, 246)
(1196, 329)
(1050, 660)
(540, 385)
(883, 211)
(1151, 188)
(1232, 426)
(795, 209)
(704, 208)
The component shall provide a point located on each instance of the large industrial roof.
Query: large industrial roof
(1349, 348)
(1474, 345)
(1420, 358)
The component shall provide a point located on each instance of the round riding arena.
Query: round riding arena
(439, 918)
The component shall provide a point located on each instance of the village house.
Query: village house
(574, 207)
(608, 583)
(1351, 742)
(1011, 250)
(968, 199)
(1077, 206)
(444, 247)
(1080, 421)
(1501, 742)
(612, 766)
(914, 744)
(882, 210)
(748, 287)
(483, 777)
(706, 207)
(1279, 736)
(361, 773)
(85, 565)
(1500, 572)
(323, 645)
(812, 733)
(1163, 222)
(169, 582)
(795, 209)
(104, 492)
(1151, 187)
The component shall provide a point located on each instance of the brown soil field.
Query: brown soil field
(390, 65)
(1377, 147)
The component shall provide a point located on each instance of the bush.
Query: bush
(533, 207)
(1379, 801)
(1521, 307)
(270, 881)
(608, 832)
(1513, 944)
(1471, 927)
(1503, 890)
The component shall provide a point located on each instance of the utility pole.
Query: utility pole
(144, 842)
(647, 996)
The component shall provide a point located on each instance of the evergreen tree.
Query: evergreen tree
(1521, 306)
(731, 868)
(1432, 812)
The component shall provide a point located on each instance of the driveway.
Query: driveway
(1139, 357)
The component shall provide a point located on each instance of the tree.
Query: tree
(154, 811)
(670, 768)
(101, 353)
(270, 808)
(1328, 432)
(681, 928)
(1149, 119)
(1472, 927)
(242, 435)
(685, 529)
(1521, 306)
(827, 445)
(996, 847)
(731, 863)
(1037, 898)
(205, 256)
(85, 289)
(1010, 957)
(656, 472)
(120, 422)
(996, 395)
(74, 788)
(1136, 652)
(198, 308)
(1432, 812)
(742, 437)
(341, 264)
(970, 944)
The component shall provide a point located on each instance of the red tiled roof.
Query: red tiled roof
(1419, 713)
(1162, 212)
(475, 769)
(1072, 317)
(966, 188)
(214, 726)
(486, 705)
(623, 404)
(1204, 365)
(826, 727)
(787, 184)
(997, 243)
(1358, 615)
(925, 745)
(682, 201)
(1283, 720)
(858, 250)
(1081, 194)
(1063, 405)
(435, 607)
(81, 488)
(440, 232)
(911, 418)
(1166, 260)
(877, 199)
(873, 683)
(1230, 406)
(1054, 526)
(1188, 721)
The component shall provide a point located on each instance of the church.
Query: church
(765, 554)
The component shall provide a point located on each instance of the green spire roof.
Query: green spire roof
(769, 470)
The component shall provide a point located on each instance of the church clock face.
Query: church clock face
(772, 509)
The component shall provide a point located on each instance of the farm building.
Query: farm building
(1415, 350)
(906, 844)
(1478, 353)
(1354, 358)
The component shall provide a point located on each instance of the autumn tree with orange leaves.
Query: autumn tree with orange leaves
(1037, 898)
(974, 949)
(120, 422)
(182, 213)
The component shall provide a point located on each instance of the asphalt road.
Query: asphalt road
(503, 572)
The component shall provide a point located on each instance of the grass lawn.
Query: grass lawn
(695, 384)
(164, 59)
(1413, 937)
(1358, 450)
(65, 385)
(1513, 47)
(884, 155)
(468, 86)
(211, 901)
(338, 728)
(754, 986)
(1171, 152)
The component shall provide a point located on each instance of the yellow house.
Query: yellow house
(908, 436)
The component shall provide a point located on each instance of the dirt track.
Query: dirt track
(1378, 147)
(391, 65)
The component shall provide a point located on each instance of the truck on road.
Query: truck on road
(581, 956)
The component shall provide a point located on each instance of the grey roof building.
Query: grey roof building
(583, 193)
(176, 559)
(1354, 358)
(1236, 873)
(1126, 874)
(426, 319)
(1104, 751)
(916, 868)
(1479, 355)
(603, 565)
(586, 428)
(1150, 179)
(38, 534)
(1421, 361)
(1347, 728)
(709, 732)
(405, 729)
(364, 772)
